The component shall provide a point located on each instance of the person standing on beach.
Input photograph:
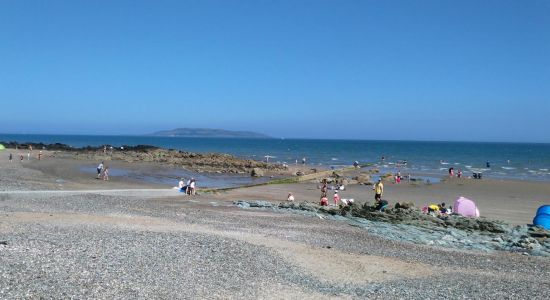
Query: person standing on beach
(11, 157)
(324, 189)
(188, 184)
(40, 155)
(378, 190)
(303, 161)
(192, 187)
(336, 198)
(99, 170)
(106, 174)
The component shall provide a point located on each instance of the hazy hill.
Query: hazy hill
(206, 132)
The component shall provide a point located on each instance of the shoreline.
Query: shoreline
(513, 201)
(527, 162)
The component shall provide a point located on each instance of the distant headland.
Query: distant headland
(207, 132)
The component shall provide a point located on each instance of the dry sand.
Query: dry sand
(512, 201)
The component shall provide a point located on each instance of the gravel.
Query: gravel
(49, 259)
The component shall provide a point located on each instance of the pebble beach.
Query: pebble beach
(76, 237)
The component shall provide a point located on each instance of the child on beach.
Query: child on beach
(381, 205)
(324, 201)
(191, 187)
(336, 198)
(106, 174)
(99, 169)
(290, 197)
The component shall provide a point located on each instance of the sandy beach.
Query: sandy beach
(87, 238)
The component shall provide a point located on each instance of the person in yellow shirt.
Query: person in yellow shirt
(378, 190)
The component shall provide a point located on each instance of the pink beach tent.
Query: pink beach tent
(466, 207)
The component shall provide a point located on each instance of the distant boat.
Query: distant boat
(267, 157)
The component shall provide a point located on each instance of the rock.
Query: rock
(538, 232)
(257, 172)
(448, 238)
(336, 174)
(404, 205)
(362, 178)
(261, 204)
(299, 173)
(498, 239)
(242, 204)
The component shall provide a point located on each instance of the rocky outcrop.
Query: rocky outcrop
(201, 162)
(411, 225)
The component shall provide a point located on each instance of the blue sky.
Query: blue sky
(417, 70)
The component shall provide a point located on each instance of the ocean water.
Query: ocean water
(507, 160)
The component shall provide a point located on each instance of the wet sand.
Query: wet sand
(512, 201)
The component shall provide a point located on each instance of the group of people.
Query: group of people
(437, 209)
(336, 197)
(102, 172)
(452, 172)
(22, 157)
(188, 187)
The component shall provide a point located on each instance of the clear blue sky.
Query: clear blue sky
(420, 70)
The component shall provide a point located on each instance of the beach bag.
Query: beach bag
(465, 207)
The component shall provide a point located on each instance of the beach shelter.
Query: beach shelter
(543, 217)
(466, 207)
(545, 209)
(2, 147)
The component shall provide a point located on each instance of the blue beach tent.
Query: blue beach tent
(543, 217)
(545, 209)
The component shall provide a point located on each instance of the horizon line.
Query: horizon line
(281, 138)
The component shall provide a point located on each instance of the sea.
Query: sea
(523, 161)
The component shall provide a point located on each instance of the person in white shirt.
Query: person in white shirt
(191, 187)
(99, 170)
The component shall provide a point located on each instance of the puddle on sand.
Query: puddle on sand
(171, 177)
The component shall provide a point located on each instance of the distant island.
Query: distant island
(206, 132)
